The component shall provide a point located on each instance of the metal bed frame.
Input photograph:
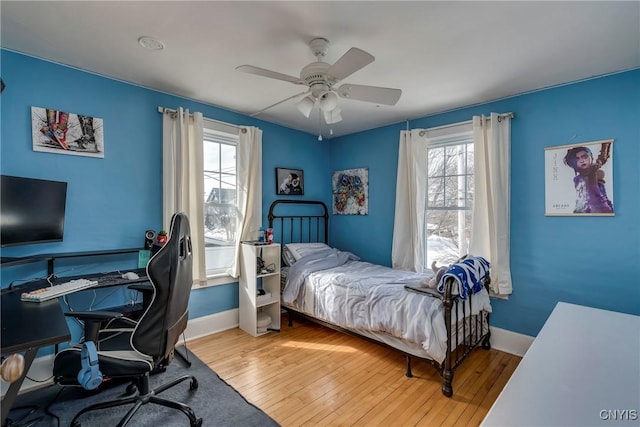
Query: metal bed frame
(309, 223)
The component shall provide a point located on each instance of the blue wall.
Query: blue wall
(111, 201)
(591, 261)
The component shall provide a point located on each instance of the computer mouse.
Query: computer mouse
(130, 276)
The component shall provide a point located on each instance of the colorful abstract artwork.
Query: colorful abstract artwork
(55, 131)
(350, 191)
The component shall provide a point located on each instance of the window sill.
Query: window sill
(216, 280)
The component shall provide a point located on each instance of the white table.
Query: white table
(583, 369)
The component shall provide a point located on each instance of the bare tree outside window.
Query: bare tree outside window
(449, 201)
(220, 199)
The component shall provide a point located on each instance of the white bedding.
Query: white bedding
(371, 299)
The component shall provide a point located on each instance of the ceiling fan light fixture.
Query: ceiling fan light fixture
(305, 105)
(333, 116)
(328, 101)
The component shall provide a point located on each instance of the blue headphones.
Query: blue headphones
(89, 376)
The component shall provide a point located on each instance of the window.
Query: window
(220, 185)
(449, 198)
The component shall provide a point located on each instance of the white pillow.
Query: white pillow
(298, 250)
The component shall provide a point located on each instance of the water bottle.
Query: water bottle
(269, 235)
(261, 234)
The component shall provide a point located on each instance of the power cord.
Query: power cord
(186, 350)
(48, 278)
(93, 302)
(95, 294)
(38, 381)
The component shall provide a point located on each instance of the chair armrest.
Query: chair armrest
(92, 321)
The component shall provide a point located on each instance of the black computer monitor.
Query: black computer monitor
(31, 210)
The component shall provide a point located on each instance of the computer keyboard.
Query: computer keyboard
(45, 294)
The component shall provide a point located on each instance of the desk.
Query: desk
(583, 369)
(28, 326)
(46, 326)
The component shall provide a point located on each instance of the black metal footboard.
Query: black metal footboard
(471, 330)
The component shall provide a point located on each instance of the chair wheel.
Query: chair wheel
(131, 388)
(194, 385)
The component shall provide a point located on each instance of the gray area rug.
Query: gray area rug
(216, 402)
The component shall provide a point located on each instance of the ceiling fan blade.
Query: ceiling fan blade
(377, 95)
(268, 73)
(349, 63)
(280, 102)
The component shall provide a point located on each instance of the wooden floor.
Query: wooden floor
(309, 375)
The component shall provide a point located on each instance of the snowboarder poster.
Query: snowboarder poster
(55, 131)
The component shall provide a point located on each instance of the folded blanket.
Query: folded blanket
(469, 274)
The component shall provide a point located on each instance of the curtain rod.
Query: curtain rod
(510, 115)
(169, 110)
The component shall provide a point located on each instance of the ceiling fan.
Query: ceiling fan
(320, 79)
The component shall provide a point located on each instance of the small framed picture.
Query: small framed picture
(289, 182)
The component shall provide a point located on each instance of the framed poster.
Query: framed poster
(61, 132)
(350, 192)
(289, 182)
(579, 179)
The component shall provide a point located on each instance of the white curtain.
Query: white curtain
(408, 249)
(490, 222)
(182, 178)
(249, 177)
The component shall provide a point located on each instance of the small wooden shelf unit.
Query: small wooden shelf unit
(253, 306)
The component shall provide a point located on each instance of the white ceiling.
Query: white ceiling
(443, 55)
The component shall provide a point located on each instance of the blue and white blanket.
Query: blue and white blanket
(371, 299)
(468, 273)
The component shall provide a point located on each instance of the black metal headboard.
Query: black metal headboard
(302, 221)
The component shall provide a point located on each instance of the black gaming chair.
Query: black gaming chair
(149, 344)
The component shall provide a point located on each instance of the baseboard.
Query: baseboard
(211, 324)
(510, 342)
(42, 367)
